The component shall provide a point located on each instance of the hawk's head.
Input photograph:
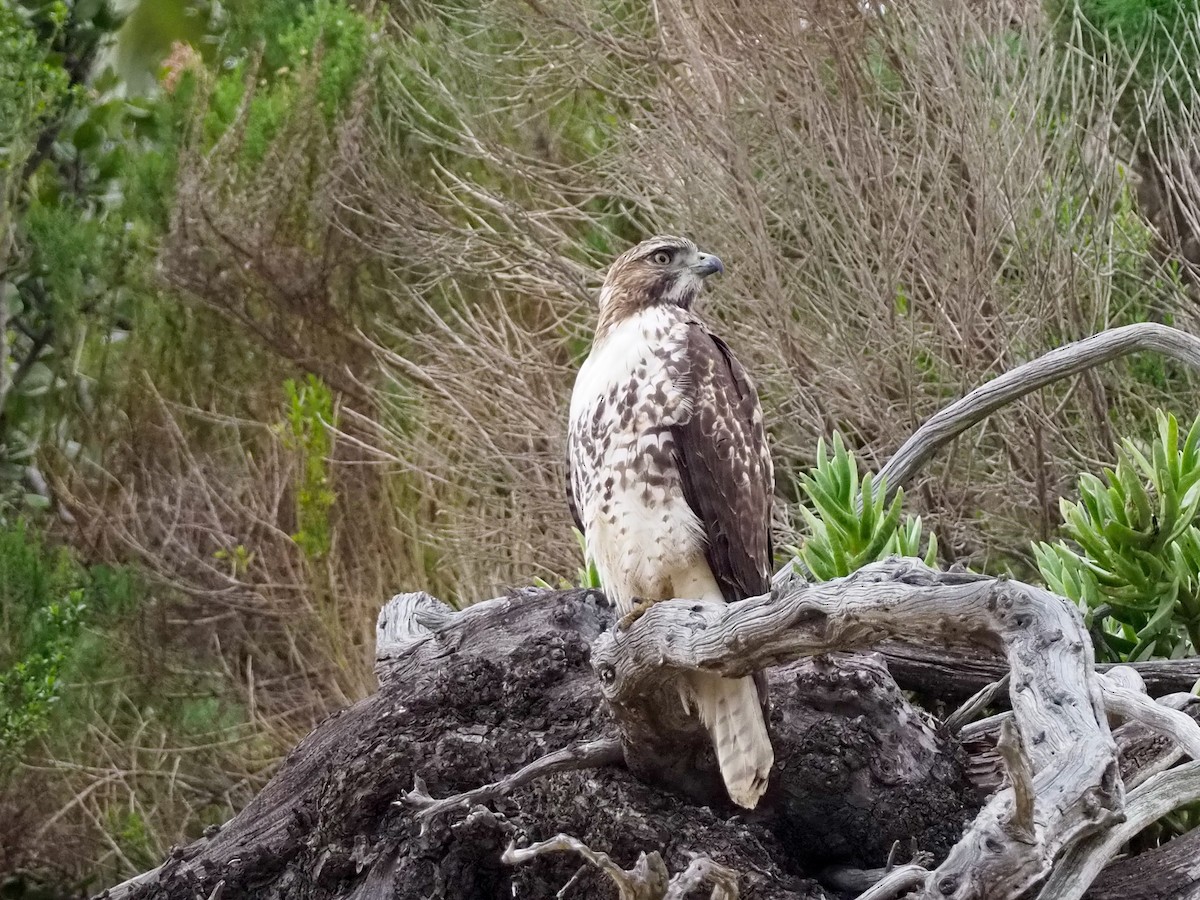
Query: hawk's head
(663, 270)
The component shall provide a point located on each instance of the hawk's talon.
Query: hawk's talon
(639, 609)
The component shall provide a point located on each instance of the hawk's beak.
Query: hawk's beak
(708, 265)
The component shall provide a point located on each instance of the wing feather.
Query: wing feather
(725, 465)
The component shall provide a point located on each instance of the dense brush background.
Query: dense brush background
(293, 294)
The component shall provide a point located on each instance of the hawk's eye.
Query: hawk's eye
(661, 257)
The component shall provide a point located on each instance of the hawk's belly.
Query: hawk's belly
(639, 528)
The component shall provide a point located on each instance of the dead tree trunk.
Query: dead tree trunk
(499, 711)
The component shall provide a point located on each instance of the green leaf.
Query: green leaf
(833, 511)
(867, 516)
(1120, 535)
(886, 531)
(931, 553)
(1161, 620)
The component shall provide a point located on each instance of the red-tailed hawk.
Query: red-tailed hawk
(670, 474)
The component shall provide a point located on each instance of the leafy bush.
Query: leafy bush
(310, 418)
(1137, 566)
(41, 608)
(850, 523)
(1154, 44)
(86, 179)
(324, 40)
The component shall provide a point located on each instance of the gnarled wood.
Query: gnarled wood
(1169, 872)
(499, 704)
(953, 674)
(1056, 697)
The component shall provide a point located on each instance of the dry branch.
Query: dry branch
(954, 674)
(1056, 697)
(1060, 363)
(648, 879)
(586, 755)
(1154, 799)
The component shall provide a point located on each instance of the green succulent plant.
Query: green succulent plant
(1135, 563)
(851, 522)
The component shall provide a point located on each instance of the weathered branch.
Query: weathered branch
(1056, 698)
(585, 755)
(1020, 780)
(1135, 706)
(1168, 871)
(1145, 753)
(1144, 750)
(648, 879)
(1056, 365)
(1154, 799)
(954, 674)
(881, 883)
(895, 883)
(978, 702)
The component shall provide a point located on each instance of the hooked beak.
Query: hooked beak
(708, 265)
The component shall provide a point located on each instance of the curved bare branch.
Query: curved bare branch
(1056, 696)
(1014, 384)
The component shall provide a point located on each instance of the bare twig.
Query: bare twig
(586, 755)
(647, 880)
(980, 701)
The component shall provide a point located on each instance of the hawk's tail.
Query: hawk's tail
(730, 710)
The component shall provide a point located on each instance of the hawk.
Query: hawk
(670, 476)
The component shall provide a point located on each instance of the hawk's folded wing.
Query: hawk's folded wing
(725, 466)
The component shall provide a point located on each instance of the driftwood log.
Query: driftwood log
(524, 749)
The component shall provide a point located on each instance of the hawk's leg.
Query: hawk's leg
(639, 610)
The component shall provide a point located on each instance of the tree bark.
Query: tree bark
(1169, 872)
(497, 687)
(953, 674)
(519, 712)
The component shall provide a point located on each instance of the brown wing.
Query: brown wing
(725, 464)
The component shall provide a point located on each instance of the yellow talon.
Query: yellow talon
(639, 610)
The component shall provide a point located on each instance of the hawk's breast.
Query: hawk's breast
(629, 394)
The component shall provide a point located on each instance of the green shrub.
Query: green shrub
(310, 417)
(41, 610)
(325, 40)
(1147, 52)
(850, 524)
(1135, 560)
